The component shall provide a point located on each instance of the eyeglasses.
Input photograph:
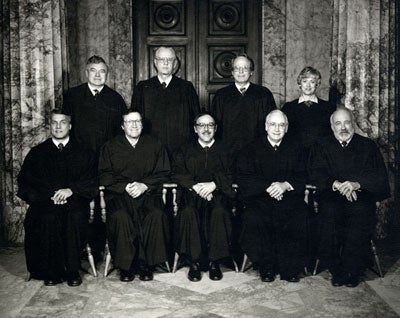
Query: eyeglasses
(243, 69)
(202, 125)
(137, 122)
(280, 125)
(168, 60)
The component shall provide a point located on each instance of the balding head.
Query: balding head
(276, 125)
(342, 124)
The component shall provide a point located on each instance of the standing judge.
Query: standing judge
(168, 103)
(95, 108)
(241, 107)
(57, 180)
(203, 224)
(96, 112)
(132, 167)
(351, 177)
(308, 115)
(271, 180)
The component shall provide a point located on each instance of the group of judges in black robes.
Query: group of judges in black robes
(270, 154)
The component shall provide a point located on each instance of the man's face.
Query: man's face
(205, 128)
(60, 126)
(165, 61)
(276, 127)
(96, 74)
(342, 126)
(308, 85)
(241, 70)
(132, 125)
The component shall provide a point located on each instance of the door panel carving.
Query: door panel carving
(205, 34)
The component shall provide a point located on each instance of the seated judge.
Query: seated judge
(57, 180)
(167, 102)
(240, 108)
(351, 177)
(270, 175)
(203, 224)
(132, 167)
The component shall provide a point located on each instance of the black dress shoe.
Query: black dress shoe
(352, 281)
(145, 273)
(267, 276)
(214, 271)
(194, 274)
(291, 278)
(74, 279)
(338, 280)
(126, 275)
(52, 281)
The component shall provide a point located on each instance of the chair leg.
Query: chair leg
(28, 276)
(168, 268)
(176, 258)
(236, 265)
(244, 263)
(316, 267)
(91, 260)
(108, 259)
(376, 258)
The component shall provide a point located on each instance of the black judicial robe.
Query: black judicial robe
(360, 161)
(135, 220)
(55, 234)
(273, 231)
(241, 118)
(201, 222)
(168, 112)
(309, 123)
(94, 119)
(347, 226)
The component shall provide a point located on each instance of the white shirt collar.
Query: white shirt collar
(347, 141)
(273, 143)
(92, 88)
(133, 142)
(57, 142)
(167, 81)
(202, 144)
(245, 86)
(312, 98)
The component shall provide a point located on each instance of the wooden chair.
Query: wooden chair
(104, 216)
(310, 189)
(373, 250)
(173, 187)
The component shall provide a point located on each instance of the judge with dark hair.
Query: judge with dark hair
(203, 225)
(57, 180)
(132, 167)
(96, 112)
(95, 108)
(270, 175)
(351, 177)
(168, 103)
(240, 108)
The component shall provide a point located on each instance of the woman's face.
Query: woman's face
(308, 85)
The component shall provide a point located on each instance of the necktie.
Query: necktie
(276, 147)
(60, 147)
(206, 148)
(242, 90)
(344, 144)
(308, 103)
(164, 85)
(96, 92)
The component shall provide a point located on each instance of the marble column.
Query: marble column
(34, 61)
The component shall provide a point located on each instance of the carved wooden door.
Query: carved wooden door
(206, 34)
